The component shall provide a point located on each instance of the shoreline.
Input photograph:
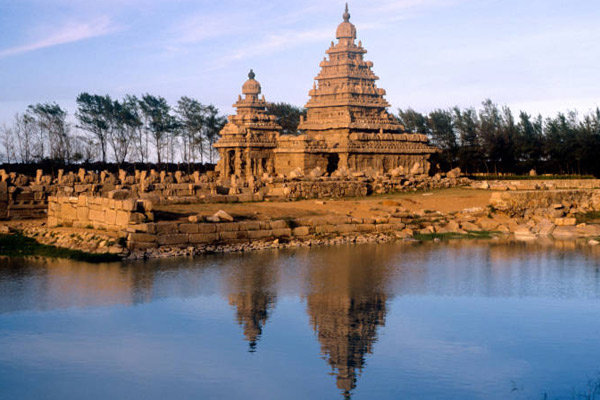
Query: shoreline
(195, 229)
(480, 237)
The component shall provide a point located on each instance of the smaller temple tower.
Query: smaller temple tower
(248, 139)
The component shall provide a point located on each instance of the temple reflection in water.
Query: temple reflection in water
(252, 292)
(346, 305)
(345, 291)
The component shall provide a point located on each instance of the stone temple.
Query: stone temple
(347, 127)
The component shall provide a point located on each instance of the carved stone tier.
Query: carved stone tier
(247, 140)
(347, 123)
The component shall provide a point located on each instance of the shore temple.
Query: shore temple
(347, 127)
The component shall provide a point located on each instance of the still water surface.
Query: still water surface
(442, 321)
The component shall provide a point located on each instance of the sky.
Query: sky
(540, 56)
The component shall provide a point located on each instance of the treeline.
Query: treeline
(492, 140)
(134, 129)
(147, 129)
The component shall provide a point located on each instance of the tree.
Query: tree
(94, 113)
(25, 131)
(158, 120)
(52, 125)
(213, 125)
(7, 137)
(288, 116)
(413, 121)
(124, 122)
(529, 141)
(441, 131)
(470, 153)
(191, 121)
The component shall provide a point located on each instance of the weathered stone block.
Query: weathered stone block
(96, 215)
(122, 218)
(140, 245)
(249, 225)
(383, 227)
(301, 231)
(188, 228)
(282, 232)
(197, 238)
(261, 234)
(207, 228)
(145, 228)
(228, 227)
(279, 224)
(324, 228)
(110, 216)
(366, 228)
(241, 235)
(68, 212)
(567, 221)
(165, 228)
(83, 213)
(230, 235)
(174, 239)
(336, 220)
(345, 228)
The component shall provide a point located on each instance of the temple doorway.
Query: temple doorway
(333, 160)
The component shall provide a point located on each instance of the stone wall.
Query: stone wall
(107, 213)
(520, 203)
(27, 197)
(184, 234)
(537, 184)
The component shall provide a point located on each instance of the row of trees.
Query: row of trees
(132, 129)
(146, 129)
(492, 140)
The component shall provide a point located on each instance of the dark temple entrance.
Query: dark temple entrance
(333, 160)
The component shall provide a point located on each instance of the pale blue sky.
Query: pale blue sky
(540, 56)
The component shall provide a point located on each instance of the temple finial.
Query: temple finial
(251, 74)
(346, 14)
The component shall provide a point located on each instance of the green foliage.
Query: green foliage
(288, 116)
(159, 121)
(492, 141)
(17, 245)
(55, 141)
(427, 237)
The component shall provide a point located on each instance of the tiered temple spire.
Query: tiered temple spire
(246, 143)
(346, 95)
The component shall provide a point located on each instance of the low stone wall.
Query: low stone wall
(22, 202)
(24, 196)
(184, 234)
(519, 203)
(538, 184)
(318, 189)
(105, 213)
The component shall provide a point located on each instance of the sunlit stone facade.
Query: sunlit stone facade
(347, 126)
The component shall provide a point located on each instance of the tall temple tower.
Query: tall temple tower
(248, 139)
(347, 123)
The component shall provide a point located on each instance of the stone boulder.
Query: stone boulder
(454, 173)
(317, 172)
(296, 173)
(223, 216)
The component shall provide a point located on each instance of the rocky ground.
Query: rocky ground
(435, 215)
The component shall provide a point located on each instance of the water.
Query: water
(440, 321)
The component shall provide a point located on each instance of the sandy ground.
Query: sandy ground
(445, 200)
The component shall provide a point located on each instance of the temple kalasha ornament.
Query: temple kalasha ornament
(347, 125)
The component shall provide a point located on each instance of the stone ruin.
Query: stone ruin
(347, 127)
